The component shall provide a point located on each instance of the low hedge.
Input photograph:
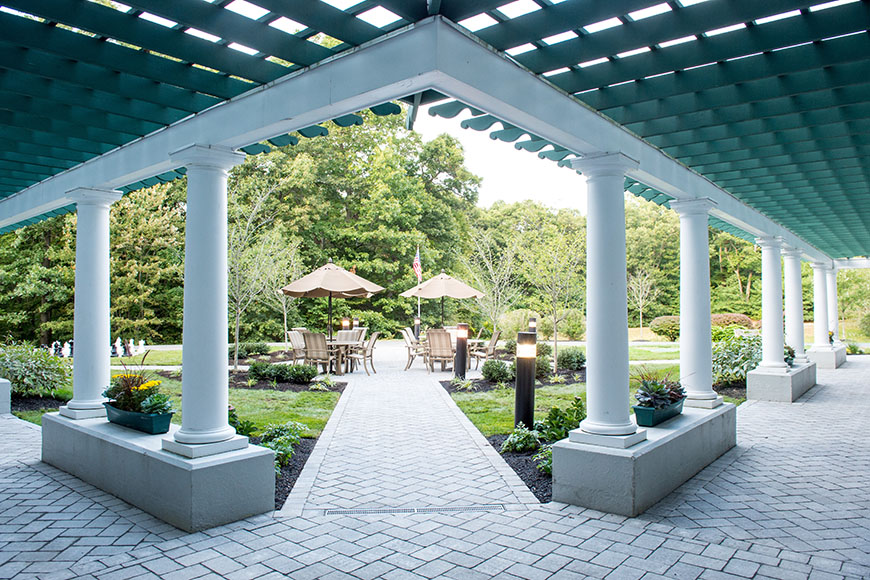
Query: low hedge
(572, 358)
(297, 374)
(249, 349)
(731, 319)
(666, 326)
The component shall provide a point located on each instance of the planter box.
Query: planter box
(151, 423)
(649, 417)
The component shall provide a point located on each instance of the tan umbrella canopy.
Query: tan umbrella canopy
(440, 286)
(331, 280)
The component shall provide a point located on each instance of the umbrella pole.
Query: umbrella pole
(442, 312)
(330, 316)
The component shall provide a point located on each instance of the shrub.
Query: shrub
(281, 439)
(520, 440)
(463, 385)
(559, 422)
(516, 321)
(249, 349)
(34, 372)
(545, 349)
(853, 348)
(298, 374)
(574, 324)
(724, 332)
(544, 459)
(496, 371)
(666, 326)
(731, 319)
(734, 357)
(572, 358)
(864, 324)
(510, 345)
(242, 427)
(788, 355)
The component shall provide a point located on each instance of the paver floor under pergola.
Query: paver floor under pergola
(789, 501)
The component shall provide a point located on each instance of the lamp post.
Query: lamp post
(461, 360)
(417, 327)
(533, 324)
(345, 323)
(355, 322)
(524, 405)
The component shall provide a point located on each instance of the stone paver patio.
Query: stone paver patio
(790, 501)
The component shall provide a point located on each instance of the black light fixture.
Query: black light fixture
(461, 359)
(345, 323)
(355, 322)
(417, 327)
(524, 404)
(533, 324)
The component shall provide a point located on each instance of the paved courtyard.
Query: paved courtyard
(401, 485)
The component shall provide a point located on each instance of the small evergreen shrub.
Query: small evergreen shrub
(34, 372)
(864, 324)
(520, 440)
(249, 349)
(496, 371)
(297, 374)
(510, 345)
(731, 319)
(572, 358)
(543, 367)
(666, 326)
(574, 324)
(545, 349)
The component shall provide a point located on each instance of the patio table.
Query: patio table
(341, 347)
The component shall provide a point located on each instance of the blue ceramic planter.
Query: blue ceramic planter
(649, 417)
(153, 423)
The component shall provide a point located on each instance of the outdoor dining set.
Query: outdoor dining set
(439, 345)
(342, 352)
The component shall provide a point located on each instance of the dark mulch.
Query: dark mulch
(483, 385)
(539, 483)
(290, 473)
(36, 403)
(239, 380)
(736, 390)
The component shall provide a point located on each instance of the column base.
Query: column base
(193, 451)
(703, 403)
(612, 441)
(630, 481)
(5, 397)
(191, 494)
(77, 414)
(763, 385)
(827, 357)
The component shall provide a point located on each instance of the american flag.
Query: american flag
(418, 268)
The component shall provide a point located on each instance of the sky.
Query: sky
(508, 174)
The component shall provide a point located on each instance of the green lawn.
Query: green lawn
(311, 408)
(152, 357)
(652, 353)
(492, 412)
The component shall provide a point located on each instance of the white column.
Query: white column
(607, 390)
(794, 305)
(91, 323)
(696, 344)
(833, 306)
(205, 378)
(771, 303)
(820, 307)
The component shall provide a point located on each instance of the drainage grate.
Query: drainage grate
(420, 510)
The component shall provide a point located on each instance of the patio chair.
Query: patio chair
(485, 351)
(440, 349)
(294, 337)
(414, 348)
(365, 353)
(316, 350)
(346, 335)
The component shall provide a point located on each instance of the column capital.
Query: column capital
(790, 252)
(93, 196)
(823, 266)
(213, 156)
(697, 206)
(606, 164)
(769, 242)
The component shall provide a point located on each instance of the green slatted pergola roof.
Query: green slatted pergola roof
(768, 100)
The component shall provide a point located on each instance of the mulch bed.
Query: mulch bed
(483, 385)
(290, 473)
(735, 390)
(239, 380)
(539, 483)
(35, 403)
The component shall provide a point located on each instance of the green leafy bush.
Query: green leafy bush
(574, 324)
(734, 357)
(788, 355)
(572, 358)
(281, 439)
(249, 349)
(731, 319)
(510, 345)
(464, 385)
(864, 324)
(520, 440)
(559, 422)
(545, 349)
(34, 372)
(544, 459)
(298, 374)
(496, 371)
(666, 326)
(242, 426)
(516, 321)
(724, 332)
(543, 367)
(853, 348)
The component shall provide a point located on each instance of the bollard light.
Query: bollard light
(533, 324)
(524, 404)
(355, 322)
(417, 327)
(345, 323)
(461, 359)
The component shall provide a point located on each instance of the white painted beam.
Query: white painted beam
(433, 53)
(853, 263)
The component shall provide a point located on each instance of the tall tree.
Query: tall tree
(492, 272)
(641, 291)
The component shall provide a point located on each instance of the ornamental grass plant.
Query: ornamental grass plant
(135, 392)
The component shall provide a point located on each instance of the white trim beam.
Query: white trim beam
(852, 263)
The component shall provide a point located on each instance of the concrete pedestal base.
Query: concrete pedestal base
(191, 494)
(5, 397)
(629, 481)
(703, 403)
(77, 414)
(828, 357)
(784, 387)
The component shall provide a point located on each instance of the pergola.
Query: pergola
(748, 116)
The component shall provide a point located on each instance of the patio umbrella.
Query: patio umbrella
(440, 286)
(331, 280)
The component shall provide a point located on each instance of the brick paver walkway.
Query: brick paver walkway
(789, 502)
